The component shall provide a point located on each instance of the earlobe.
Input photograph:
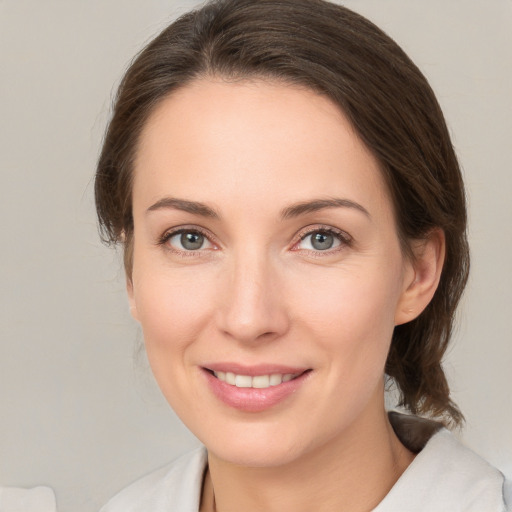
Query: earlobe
(422, 277)
(131, 298)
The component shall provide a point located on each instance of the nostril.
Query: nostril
(267, 334)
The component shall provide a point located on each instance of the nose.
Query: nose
(252, 303)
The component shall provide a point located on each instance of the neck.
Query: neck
(353, 472)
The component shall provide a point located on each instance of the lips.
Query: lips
(255, 388)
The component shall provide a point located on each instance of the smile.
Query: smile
(257, 381)
(257, 388)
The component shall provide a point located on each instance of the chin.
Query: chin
(257, 446)
(255, 456)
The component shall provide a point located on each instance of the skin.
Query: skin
(257, 291)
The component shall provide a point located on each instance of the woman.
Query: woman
(293, 220)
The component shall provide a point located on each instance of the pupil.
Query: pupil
(322, 241)
(192, 241)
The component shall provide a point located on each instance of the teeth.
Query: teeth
(259, 381)
(243, 381)
(276, 379)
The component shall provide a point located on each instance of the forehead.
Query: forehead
(215, 139)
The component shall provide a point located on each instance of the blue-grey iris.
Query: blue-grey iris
(322, 241)
(192, 241)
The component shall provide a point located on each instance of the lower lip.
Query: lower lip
(253, 399)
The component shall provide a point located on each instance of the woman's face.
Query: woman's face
(265, 250)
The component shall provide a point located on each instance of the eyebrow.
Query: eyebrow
(294, 210)
(315, 205)
(193, 207)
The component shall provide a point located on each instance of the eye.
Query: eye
(188, 240)
(321, 240)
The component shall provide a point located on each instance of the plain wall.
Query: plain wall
(79, 409)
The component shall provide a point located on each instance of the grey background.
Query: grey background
(78, 407)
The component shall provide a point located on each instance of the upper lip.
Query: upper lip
(254, 370)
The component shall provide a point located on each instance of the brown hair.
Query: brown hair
(345, 57)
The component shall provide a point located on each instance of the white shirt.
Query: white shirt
(445, 476)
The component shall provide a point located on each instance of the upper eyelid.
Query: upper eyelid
(304, 232)
(186, 227)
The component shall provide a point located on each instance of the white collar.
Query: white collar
(445, 476)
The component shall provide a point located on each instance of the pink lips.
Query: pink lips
(253, 399)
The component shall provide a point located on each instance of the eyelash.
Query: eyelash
(164, 239)
(344, 238)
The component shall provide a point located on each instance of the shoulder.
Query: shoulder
(175, 487)
(466, 477)
(446, 475)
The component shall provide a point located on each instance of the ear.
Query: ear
(131, 298)
(422, 276)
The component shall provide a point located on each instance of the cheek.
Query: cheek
(173, 307)
(352, 311)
